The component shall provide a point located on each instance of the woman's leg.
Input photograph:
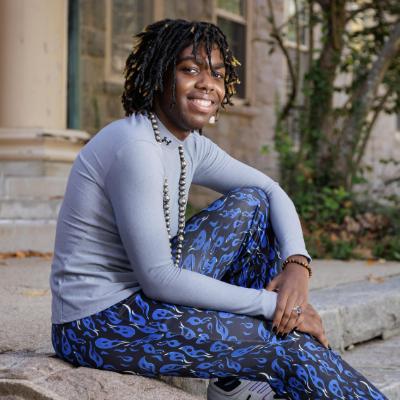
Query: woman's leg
(143, 336)
(232, 240)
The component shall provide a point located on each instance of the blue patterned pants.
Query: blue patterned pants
(231, 240)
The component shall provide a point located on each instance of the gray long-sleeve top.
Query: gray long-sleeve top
(111, 237)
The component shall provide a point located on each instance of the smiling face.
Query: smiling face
(199, 92)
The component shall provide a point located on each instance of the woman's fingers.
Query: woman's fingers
(280, 309)
(290, 317)
(322, 339)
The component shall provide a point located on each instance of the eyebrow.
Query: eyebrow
(199, 61)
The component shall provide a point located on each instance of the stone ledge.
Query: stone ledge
(380, 361)
(36, 209)
(34, 187)
(41, 144)
(45, 377)
(29, 234)
(347, 312)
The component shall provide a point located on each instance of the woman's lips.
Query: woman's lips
(202, 105)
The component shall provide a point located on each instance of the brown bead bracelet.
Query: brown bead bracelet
(302, 263)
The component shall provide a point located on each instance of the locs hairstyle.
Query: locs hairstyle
(155, 52)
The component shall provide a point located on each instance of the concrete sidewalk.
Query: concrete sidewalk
(358, 301)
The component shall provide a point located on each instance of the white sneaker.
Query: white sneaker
(239, 389)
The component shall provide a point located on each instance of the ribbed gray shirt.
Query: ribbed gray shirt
(111, 238)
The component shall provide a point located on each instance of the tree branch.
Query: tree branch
(277, 36)
(364, 98)
(368, 130)
(392, 180)
(359, 10)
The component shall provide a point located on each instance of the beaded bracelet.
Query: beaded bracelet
(302, 263)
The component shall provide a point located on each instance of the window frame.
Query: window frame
(290, 43)
(247, 21)
(109, 76)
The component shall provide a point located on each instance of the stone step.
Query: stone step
(27, 234)
(25, 327)
(359, 311)
(380, 361)
(30, 209)
(22, 187)
(350, 317)
(44, 377)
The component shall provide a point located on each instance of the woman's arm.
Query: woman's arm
(221, 172)
(134, 186)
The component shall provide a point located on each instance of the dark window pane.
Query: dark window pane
(236, 35)
(129, 17)
(233, 6)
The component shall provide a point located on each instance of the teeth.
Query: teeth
(205, 103)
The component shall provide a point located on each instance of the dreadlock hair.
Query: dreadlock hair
(156, 49)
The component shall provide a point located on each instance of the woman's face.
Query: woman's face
(199, 91)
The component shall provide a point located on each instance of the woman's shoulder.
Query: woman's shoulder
(128, 129)
(120, 133)
(122, 139)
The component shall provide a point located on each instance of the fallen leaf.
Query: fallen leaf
(25, 254)
(375, 279)
(35, 292)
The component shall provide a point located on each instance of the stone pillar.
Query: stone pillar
(33, 68)
(36, 148)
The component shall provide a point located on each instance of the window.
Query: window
(124, 18)
(231, 17)
(302, 17)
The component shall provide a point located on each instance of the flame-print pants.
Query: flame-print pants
(231, 240)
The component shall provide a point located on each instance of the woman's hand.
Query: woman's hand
(292, 287)
(312, 324)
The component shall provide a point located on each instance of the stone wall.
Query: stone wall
(100, 100)
(383, 145)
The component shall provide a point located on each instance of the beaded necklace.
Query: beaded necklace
(182, 198)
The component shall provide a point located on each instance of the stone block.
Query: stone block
(30, 209)
(92, 74)
(92, 42)
(93, 14)
(333, 327)
(36, 235)
(380, 361)
(354, 306)
(45, 377)
(34, 168)
(194, 386)
(35, 187)
(356, 319)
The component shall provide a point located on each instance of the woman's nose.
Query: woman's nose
(205, 81)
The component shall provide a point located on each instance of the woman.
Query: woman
(136, 289)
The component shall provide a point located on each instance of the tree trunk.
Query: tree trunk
(363, 101)
(324, 74)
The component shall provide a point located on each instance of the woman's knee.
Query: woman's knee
(250, 197)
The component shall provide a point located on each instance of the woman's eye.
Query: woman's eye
(218, 75)
(191, 70)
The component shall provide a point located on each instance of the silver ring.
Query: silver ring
(298, 310)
